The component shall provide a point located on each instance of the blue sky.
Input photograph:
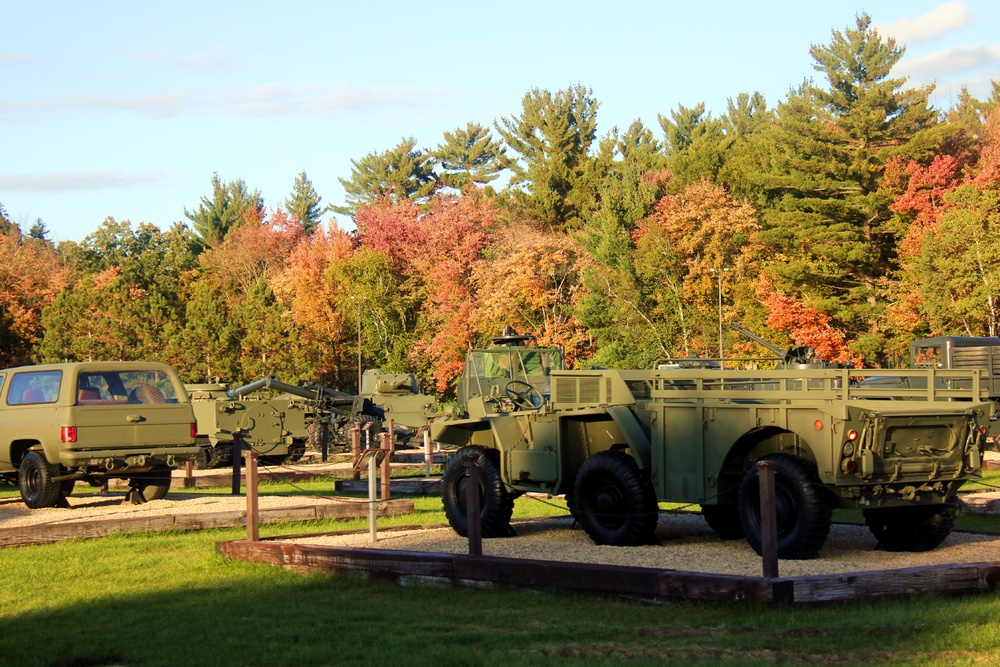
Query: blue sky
(127, 109)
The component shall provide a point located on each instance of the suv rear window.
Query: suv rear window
(34, 387)
(117, 387)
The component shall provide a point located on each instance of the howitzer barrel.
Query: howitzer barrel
(323, 396)
(757, 339)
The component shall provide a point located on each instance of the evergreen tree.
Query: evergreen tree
(304, 204)
(554, 176)
(231, 206)
(470, 156)
(6, 225)
(828, 215)
(403, 172)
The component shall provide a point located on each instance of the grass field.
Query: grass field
(168, 599)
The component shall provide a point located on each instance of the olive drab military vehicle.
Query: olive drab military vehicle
(617, 442)
(401, 400)
(94, 421)
(277, 427)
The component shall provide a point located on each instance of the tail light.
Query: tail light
(194, 429)
(67, 434)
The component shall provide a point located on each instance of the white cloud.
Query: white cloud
(64, 181)
(324, 100)
(962, 58)
(212, 61)
(942, 19)
(13, 58)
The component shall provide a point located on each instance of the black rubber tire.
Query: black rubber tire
(151, 486)
(34, 477)
(802, 509)
(724, 519)
(296, 451)
(614, 501)
(496, 503)
(67, 486)
(919, 528)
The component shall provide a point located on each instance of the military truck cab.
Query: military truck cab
(513, 373)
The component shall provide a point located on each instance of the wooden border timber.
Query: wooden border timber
(649, 584)
(87, 528)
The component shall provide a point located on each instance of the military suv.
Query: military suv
(93, 421)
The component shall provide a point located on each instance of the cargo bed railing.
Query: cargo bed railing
(922, 384)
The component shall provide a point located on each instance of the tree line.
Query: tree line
(851, 216)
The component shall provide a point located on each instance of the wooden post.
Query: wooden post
(188, 474)
(237, 457)
(324, 438)
(253, 511)
(475, 529)
(356, 450)
(768, 520)
(386, 439)
(392, 435)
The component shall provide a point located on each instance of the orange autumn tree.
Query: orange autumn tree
(31, 275)
(435, 250)
(532, 283)
(313, 294)
(804, 325)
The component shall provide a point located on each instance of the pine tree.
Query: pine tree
(403, 172)
(553, 177)
(828, 216)
(470, 157)
(304, 204)
(231, 206)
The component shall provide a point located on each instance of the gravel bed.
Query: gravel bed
(686, 543)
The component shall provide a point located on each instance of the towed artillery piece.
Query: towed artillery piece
(279, 427)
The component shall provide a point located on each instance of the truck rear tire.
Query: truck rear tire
(802, 511)
(152, 486)
(614, 501)
(496, 504)
(34, 477)
(724, 519)
(919, 528)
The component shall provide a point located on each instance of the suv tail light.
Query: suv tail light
(194, 429)
(67, 434)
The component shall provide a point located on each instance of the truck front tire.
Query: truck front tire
(614, 501)
(802, 512)
(35, 479)
(496, 503)
(152, 486)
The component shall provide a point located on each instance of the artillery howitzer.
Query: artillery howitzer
(400, 398)
(279, 427)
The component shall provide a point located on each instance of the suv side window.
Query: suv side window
(34, 387)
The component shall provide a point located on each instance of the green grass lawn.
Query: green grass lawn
(168, 599)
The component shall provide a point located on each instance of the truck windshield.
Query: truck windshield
(487, 372)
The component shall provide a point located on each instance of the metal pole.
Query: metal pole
(768, 521)
(428, 455)
(475, 529)
(359, 347)
(253, 511)
(372, 509)
(721, 352)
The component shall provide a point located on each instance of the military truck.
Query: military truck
(94, 421)
(275, 427)
(618, 442)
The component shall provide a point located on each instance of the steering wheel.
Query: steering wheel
(523, 395)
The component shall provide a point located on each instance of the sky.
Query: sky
(127, 109)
